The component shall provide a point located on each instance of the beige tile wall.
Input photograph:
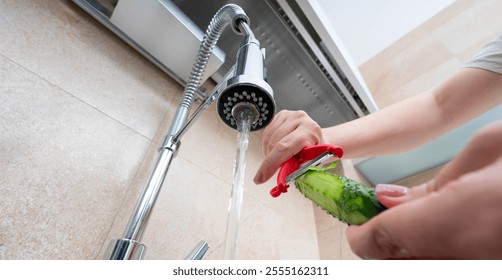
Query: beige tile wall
(417, 62)
(81, 118)
(433, 51)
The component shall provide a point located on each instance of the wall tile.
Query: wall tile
(266, 234)
(65, 169)
(408, 58)
(473, 24)
(422, 83)
(67, 47)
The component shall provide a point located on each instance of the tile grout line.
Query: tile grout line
(75, 97)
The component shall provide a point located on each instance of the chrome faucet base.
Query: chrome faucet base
(126, 249)
(199, 251)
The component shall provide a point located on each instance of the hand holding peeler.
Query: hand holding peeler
(299, 163)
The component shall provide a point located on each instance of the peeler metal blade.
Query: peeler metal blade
(315, 162)
(298, 164)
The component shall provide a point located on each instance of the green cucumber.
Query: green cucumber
(348, 200)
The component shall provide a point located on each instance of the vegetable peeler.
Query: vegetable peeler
(299, 163)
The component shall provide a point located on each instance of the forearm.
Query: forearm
(396, 128)
(417, 120)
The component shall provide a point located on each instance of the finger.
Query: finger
(432, 226)
(399, 233)
(296, 125)
(287, 122)
(278, 120)
(285, 149)
(439, 225)
(287, 128)
(393, 195)
(482, 150)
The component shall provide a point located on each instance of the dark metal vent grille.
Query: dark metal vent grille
(282, 14)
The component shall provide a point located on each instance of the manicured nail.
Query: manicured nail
(258, 178)
(391, 190)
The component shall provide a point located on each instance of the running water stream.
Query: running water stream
(244, 119)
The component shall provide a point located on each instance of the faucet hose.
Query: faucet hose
(228, 14)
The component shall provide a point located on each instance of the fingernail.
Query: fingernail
(258, 178)
(391, 190)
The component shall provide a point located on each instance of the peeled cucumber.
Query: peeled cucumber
(348, 200)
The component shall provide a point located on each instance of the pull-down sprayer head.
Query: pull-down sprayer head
(247, 89)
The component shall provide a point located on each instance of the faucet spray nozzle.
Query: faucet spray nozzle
(249, 95)
(248, 84)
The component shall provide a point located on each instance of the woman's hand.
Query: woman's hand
(457, 215)
(284, 137)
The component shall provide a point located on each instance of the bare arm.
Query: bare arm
(421, 118)
(397, 128)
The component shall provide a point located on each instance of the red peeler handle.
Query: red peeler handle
(295, 162)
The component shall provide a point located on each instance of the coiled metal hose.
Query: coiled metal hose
(228, 14)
